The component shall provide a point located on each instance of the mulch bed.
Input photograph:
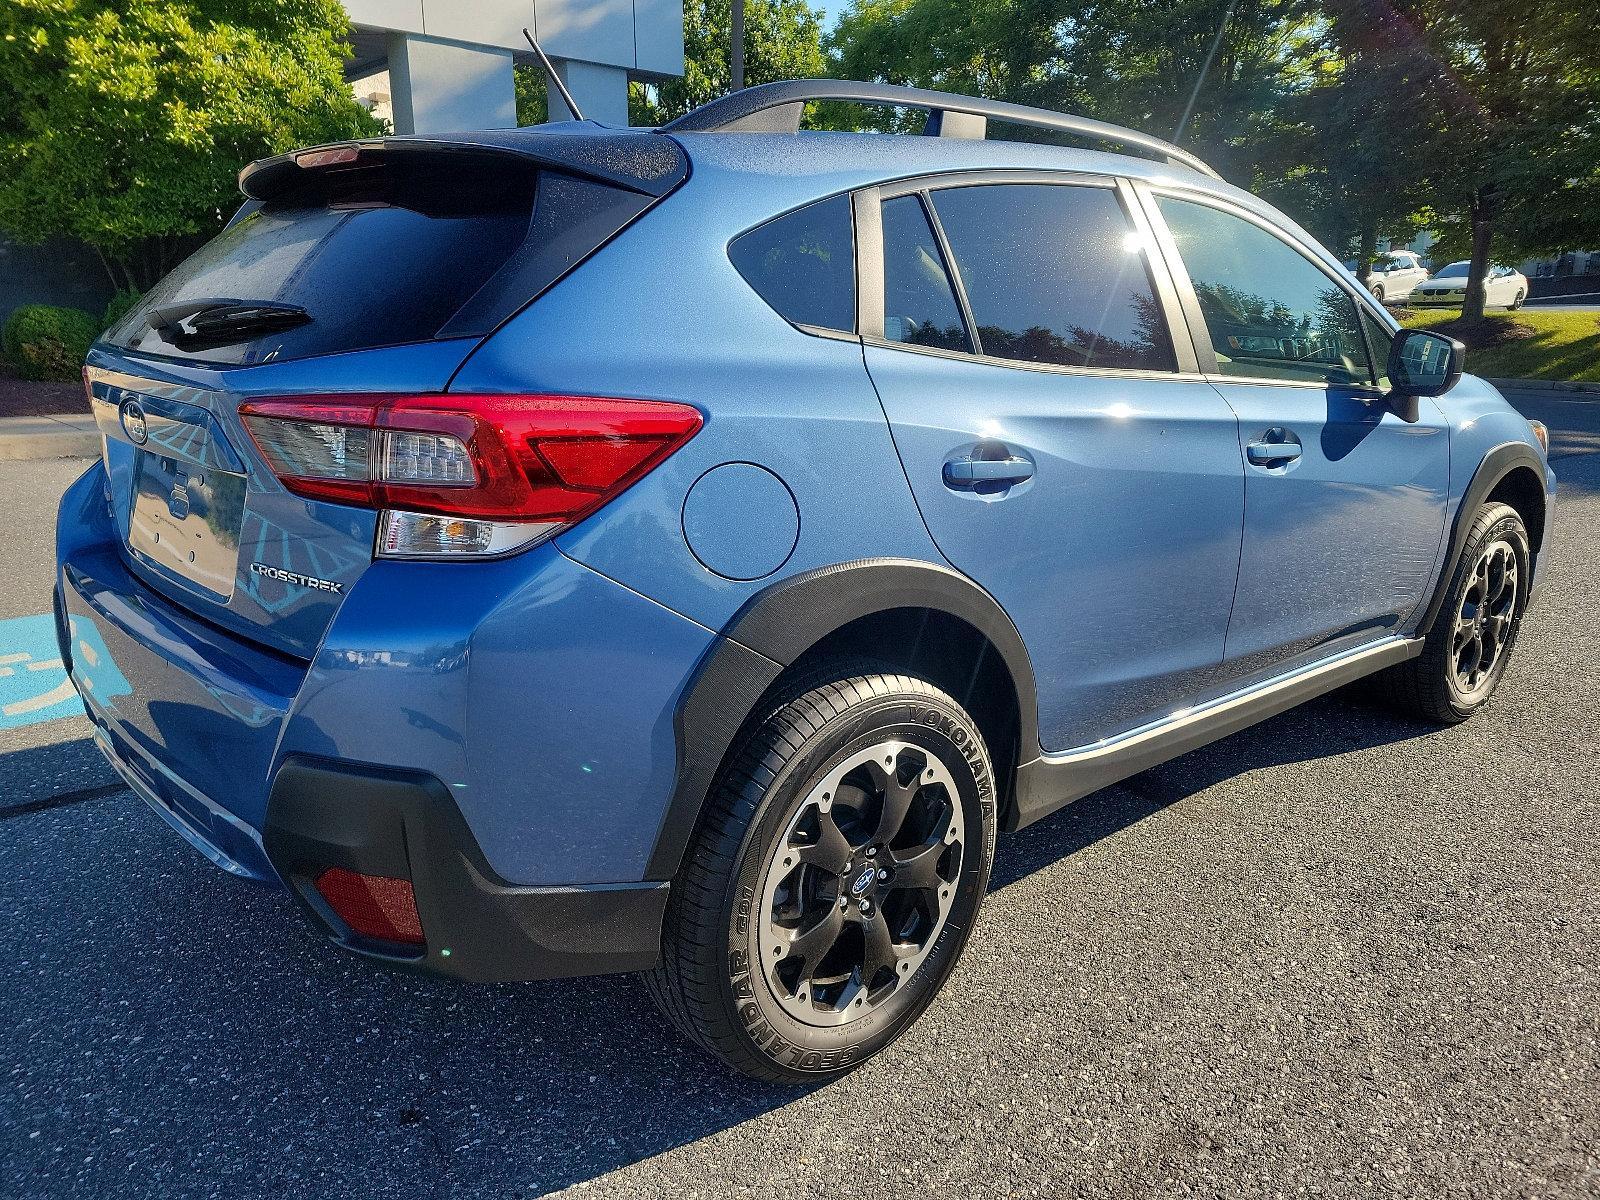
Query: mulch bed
(1484, 334)
(29, 398)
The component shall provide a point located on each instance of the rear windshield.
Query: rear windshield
(369, 278)
(373, 261)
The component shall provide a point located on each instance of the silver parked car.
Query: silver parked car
(1394, 275)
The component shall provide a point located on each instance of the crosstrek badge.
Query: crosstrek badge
(305, 581)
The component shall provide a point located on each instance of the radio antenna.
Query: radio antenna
(550, 72)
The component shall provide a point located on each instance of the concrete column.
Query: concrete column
(443, 87)
(600, 91)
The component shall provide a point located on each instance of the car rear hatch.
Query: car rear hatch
(367, 268)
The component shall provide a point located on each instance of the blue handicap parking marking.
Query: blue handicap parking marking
(33, 684)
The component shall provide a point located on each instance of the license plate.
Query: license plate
(186, 520)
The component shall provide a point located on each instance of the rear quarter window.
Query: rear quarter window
(803, 264)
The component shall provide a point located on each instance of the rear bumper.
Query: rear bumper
(404, 824)
(557, 745)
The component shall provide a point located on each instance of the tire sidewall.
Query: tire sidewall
(791, 1046)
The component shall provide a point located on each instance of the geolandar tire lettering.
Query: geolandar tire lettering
(834, 880)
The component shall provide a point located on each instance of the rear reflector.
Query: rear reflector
(375, 906)
(510, 470)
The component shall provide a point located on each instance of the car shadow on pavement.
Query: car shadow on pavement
(171, 1030)
(1334, 724)
(222, 1030)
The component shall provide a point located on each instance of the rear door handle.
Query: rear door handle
(970, 472)
(1270, 454)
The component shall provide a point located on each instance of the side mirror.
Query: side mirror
(1424, 364)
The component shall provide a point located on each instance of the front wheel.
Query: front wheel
(1517, 300)
(1377, 293)
(834, 880)
(1467, 647)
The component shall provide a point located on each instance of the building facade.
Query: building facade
(433, 66)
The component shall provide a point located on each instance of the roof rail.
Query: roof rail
(777, 108)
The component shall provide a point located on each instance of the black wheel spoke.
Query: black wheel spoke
(830, 852)
(897, 799)
(880, 953)
(918, 867)
(812, 943)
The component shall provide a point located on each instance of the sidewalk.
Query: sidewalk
(64, 436)
(1545, 385)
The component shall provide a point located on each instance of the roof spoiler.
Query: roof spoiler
(649, 166)
(778, 107)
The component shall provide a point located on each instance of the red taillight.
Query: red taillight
(540, 460)
(375, 906)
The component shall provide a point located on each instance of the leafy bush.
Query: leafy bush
(120, 305)
(45, 342)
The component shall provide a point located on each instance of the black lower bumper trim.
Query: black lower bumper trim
(405, 824)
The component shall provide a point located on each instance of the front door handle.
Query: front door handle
(1272, 454)
(968, 473)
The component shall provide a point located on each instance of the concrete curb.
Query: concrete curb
(1547, 385)
(27, 438)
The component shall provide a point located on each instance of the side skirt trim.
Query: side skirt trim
(1052, 781)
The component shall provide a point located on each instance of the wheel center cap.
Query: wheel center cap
(862, 883)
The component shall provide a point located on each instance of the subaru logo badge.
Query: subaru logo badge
(863, 881)
(133, 423)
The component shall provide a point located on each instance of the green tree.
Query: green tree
(782, 40)
(1512, 158)
(126, 122)
(533, 107)
(1134, 65)
(1357, 112)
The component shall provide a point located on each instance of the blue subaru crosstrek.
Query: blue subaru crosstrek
(570, 550)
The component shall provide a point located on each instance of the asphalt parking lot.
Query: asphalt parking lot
(1337, 954)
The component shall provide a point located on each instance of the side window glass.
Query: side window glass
(1270, 311)
(803, 264)
(1380, 338)
(1055, 274)
(919, 305)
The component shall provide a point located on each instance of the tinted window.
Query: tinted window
(1270, 311)
(1054, 274)
(919, 306)
(372, 277)
(803, 264)
(382, 256)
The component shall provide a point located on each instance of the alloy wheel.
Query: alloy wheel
(1486, 618)
(860, 885)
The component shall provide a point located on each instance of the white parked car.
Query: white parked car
(1394, 275)
(1508, 288)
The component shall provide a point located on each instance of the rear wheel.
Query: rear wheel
(834, 881)
(1467, 647)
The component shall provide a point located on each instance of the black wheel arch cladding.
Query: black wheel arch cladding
(776, 627)
(1496, 467)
